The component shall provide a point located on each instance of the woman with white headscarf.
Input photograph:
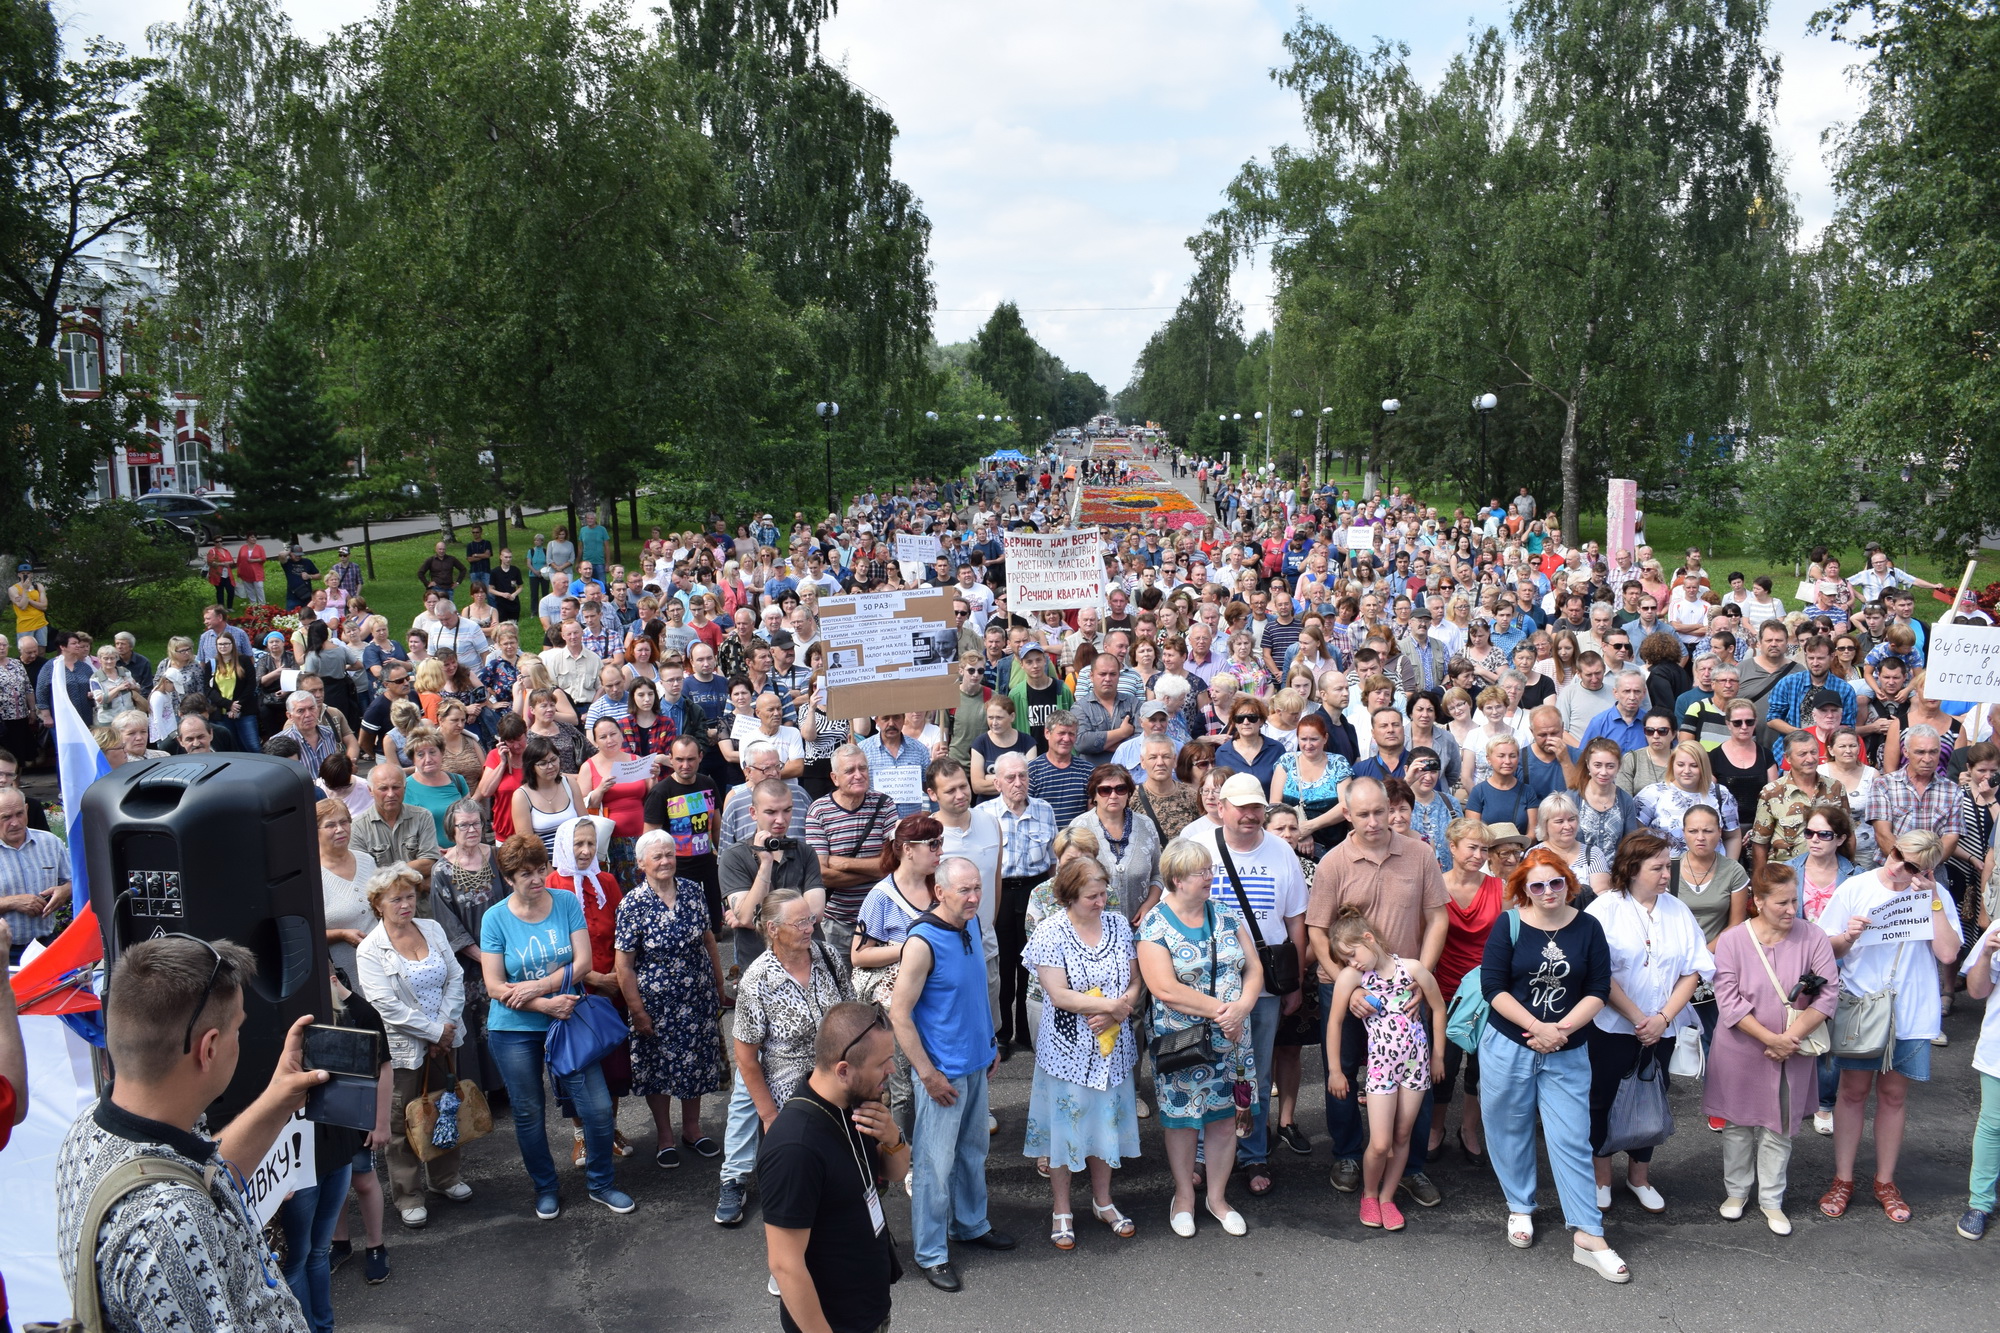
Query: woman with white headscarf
(578, 870)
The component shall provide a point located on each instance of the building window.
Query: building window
(189, 456)
(76, 355)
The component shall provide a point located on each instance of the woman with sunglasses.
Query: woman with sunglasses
(1248, 749)
(1128, 841)
(1546, 972)
(1742, 763)
(1908, 968)
(1640, 769)
(1082, 1113)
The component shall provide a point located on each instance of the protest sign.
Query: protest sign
(1054, 571)
(289, 1165)
(1962, 664)
(1904, 917)
(889, 652)
(914, 554)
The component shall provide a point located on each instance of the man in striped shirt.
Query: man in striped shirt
(34, 874)
(846, 831)
(1060, 777)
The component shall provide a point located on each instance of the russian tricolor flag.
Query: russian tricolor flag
(79, 762)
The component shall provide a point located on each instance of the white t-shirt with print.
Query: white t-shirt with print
(1877, 967)
(1272, 880)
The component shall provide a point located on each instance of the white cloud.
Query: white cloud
(1065, 149)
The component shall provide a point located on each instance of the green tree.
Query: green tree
(1805, 496)
(289, 459)
(74, 168)
(1916, 316)
(1007, 357)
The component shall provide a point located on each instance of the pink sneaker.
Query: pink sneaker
(1371, 1212)
(1392, 1216)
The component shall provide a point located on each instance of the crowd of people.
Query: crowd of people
(1473, 812)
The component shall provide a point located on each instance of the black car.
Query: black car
(191, 513)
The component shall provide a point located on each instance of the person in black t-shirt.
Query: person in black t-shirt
(503, 586)
(821, 1170)
(688, 805)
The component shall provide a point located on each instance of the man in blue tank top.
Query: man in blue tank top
(944, 1024)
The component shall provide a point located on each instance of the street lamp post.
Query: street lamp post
(1371, 478)
(1484, 405)
(828, 413)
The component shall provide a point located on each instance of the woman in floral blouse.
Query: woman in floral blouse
(1083, 1111)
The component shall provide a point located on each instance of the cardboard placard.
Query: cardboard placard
(1361, 537)
(889, 652)
(1055, 571)
(1962, 664)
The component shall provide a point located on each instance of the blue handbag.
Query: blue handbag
(1466, 1015)
(592, 1031)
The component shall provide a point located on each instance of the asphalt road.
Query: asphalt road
(1307, 1264)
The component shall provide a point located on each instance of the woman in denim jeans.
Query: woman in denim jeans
(529, 942)
(310, 1216)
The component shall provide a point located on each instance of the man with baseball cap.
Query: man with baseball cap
(1036, 692)
(347, 573)
(1252, 867)
(1153, 717)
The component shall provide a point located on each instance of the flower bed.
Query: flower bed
(1125, 506)
(261, 618)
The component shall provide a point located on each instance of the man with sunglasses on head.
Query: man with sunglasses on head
(185, 1251)
(826, 1241)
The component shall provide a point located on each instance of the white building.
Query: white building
(90, 351)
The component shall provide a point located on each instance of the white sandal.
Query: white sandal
(1121, 1225)
(1062, 1234)
(1520, 1230)
(1605, 1261)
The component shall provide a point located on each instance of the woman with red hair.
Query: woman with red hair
(1546, 972)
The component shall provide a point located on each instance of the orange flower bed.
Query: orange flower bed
(1125, 506)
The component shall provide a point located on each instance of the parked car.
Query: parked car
(192, 513)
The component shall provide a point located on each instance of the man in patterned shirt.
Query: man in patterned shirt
(1782, 807)
(1917, 797)
(173, 1255)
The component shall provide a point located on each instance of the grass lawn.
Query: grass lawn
(394, 592)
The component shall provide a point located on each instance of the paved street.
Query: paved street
(1307, 1264)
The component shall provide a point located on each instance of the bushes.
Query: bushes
(107, 569)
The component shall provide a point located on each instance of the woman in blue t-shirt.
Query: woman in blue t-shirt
(1546, 973)
(529, 941)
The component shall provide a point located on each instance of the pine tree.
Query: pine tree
(288, 459)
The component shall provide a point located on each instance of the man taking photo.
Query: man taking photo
(174, 1253)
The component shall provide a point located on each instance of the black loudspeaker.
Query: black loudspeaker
(220, 846)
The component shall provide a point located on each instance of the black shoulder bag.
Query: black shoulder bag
(1199, 1043)
(1281, 961)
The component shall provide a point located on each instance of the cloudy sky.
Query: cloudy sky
(1065, 149)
